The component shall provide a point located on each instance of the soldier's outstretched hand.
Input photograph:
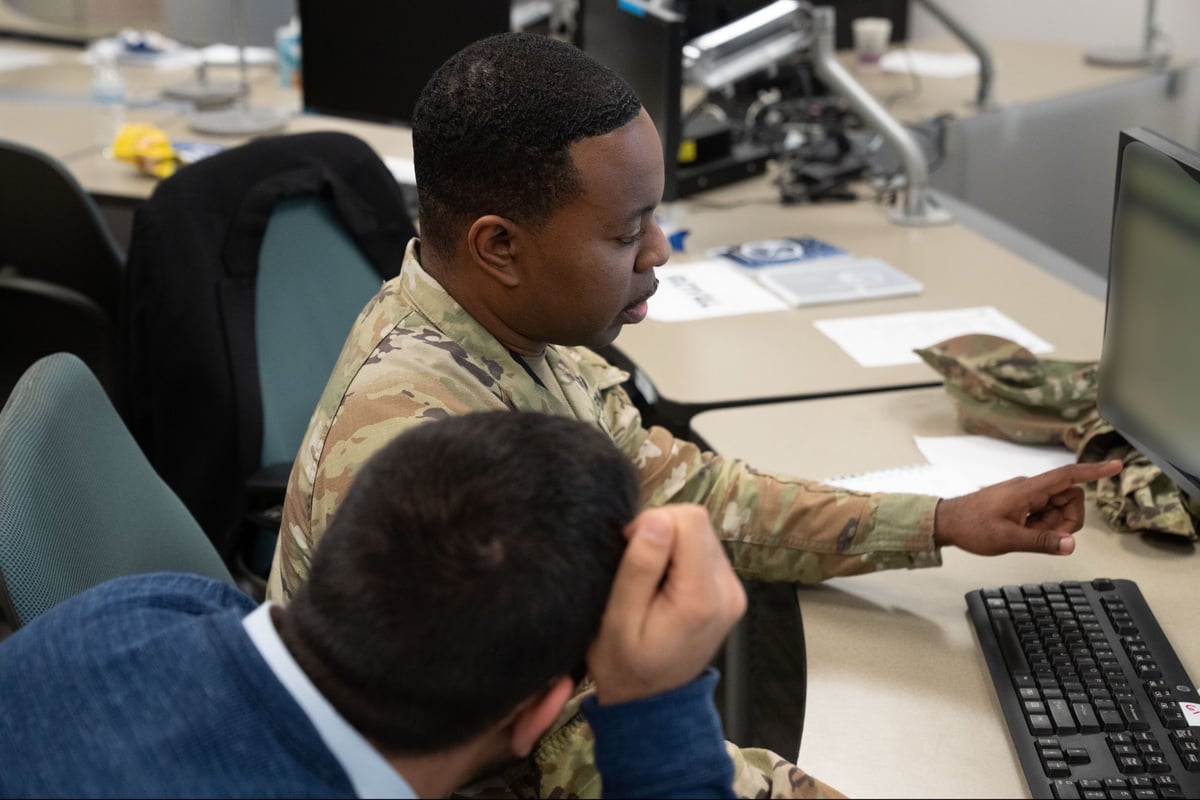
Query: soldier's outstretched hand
(1036, 514)
(674, 599)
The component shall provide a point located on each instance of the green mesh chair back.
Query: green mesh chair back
(79, 503)
(313, 281)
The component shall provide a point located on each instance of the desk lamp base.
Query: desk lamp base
(205, 94)
(1126, 57)
(238, 121)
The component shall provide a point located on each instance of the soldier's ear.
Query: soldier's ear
(490, 242)
(535, 716)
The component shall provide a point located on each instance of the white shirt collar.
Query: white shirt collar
(370, 774)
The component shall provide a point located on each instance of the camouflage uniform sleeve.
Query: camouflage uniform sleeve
(776, 528)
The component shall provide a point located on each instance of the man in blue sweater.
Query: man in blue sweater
(437, 638)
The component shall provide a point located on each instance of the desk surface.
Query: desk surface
(900, 703)
(732, 359)
(1025, 72)
(781, 354)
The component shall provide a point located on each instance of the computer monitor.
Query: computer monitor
(1150, 367)
(369, 59)
(643, 43)
(703, 16)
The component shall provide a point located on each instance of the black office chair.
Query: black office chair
(60, 269)
(246, 272)
(39, 318)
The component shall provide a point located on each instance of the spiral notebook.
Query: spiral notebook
(958, 465)
(913, 479)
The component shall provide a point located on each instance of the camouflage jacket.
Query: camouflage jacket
(415, 355)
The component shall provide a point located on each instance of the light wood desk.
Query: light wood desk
(900, 703)
(1025, 73)
(49, 105)
(781, 354)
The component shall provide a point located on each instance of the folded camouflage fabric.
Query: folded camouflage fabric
(1141, 497)
(1003, 390)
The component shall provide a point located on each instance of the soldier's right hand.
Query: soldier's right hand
(674, 599)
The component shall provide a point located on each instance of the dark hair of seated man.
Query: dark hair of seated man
(467, 568)
(494, 140)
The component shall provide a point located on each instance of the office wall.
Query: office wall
(1087, 23)
(1047, 168)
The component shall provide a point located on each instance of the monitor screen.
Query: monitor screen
(644, 45)
(369, 59)
(1150, 368)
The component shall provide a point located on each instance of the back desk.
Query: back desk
(731, 360)
(736, 359)
(900, 703)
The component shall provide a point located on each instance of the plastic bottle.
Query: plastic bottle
(108, 92)
(287, 50)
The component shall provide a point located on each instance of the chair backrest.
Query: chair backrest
(39, 318)
(313, 281)
(51, 230)
(246, 270)
(60, 269)
(79, 504)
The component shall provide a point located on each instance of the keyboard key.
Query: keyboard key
(1156, 763)
(1130, 765)
(1060, 715)
(1040, 725)
(1132, 714)
(1065, 790)
(1086, 717)
(1057, 769)
(1078, 755)
(1111, 720)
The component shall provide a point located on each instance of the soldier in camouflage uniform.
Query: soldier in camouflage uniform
(539, 175)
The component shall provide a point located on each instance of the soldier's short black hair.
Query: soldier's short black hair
(491, 131)
(467, 568)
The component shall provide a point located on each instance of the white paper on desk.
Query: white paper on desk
(227, 55)
(983, 460)
(17, 58)
(930, 65)
(886, 340)
(915, 479)
(702, 289)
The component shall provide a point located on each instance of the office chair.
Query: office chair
(246, 271)
(39, 318)
(79, 503)
(57, 251)
(764, 672)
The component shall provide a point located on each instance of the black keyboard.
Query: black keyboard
(1096, 701)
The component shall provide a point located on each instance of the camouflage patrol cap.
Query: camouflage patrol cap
(1003, 390)
(1141, 497)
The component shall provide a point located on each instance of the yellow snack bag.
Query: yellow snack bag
(146, 147)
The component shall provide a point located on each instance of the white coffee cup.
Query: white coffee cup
(871, 37)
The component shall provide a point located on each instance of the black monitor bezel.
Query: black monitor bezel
(669, 26)
(370, 59)
(1109, 409)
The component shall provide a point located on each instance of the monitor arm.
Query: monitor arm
(917, 206)
(987, 71)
